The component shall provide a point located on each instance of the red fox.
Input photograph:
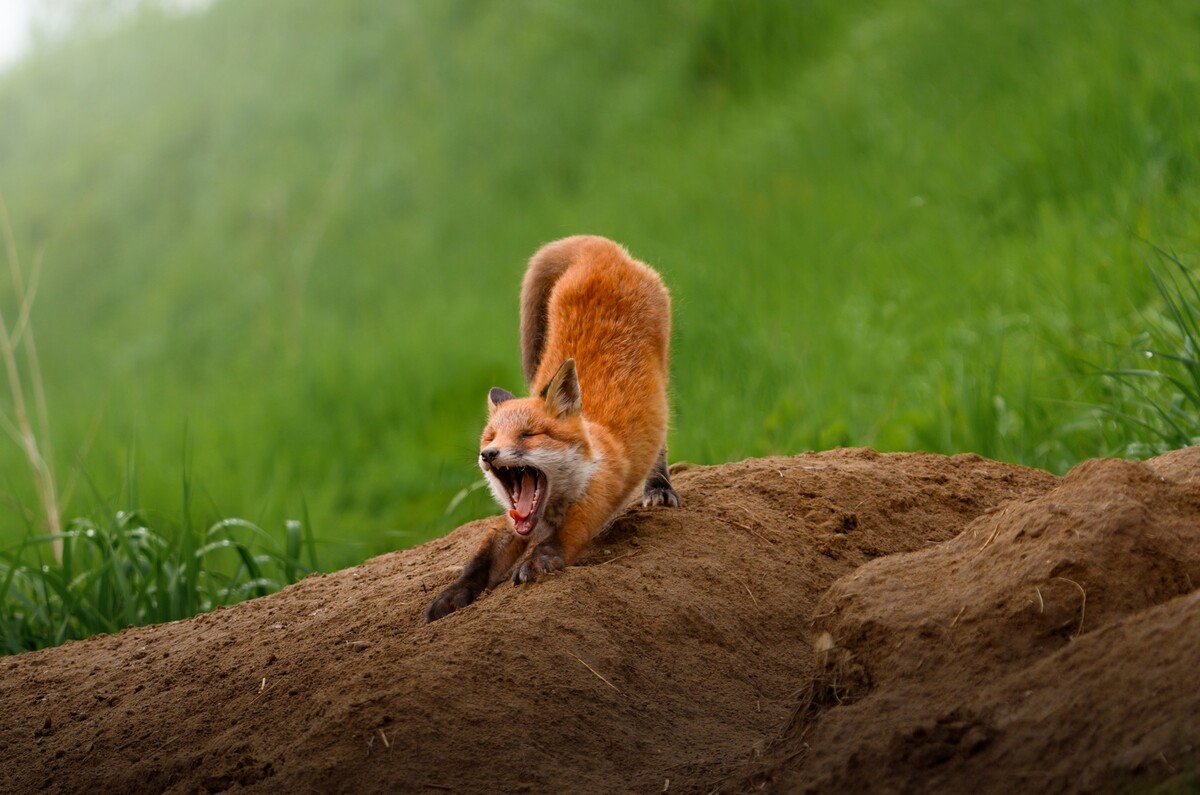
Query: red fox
(563, 462)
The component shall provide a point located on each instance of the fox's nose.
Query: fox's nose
(489, 454)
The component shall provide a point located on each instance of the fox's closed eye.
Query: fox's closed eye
(529, 434)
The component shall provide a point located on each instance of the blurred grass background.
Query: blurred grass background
(287, 235)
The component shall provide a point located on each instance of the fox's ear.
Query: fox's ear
(498, 396)
(563, 398)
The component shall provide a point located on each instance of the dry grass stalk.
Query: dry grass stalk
(19, 425)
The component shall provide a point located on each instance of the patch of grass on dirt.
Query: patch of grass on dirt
(1157, 395)
(129, 568)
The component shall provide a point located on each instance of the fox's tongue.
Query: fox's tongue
(525, 491)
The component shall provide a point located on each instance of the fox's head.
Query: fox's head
(535, 451)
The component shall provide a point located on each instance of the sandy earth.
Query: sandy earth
(835, 622)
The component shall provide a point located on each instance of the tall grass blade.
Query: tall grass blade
(1159, 400)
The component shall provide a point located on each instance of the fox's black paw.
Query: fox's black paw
(544, 560)
(455, 596)
(656, 495)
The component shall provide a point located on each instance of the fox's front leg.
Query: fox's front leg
(582, 522)
(491, 562)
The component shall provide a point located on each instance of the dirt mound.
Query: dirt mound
(768, 633)
(1050, 647)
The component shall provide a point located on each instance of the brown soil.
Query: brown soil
(840, 622)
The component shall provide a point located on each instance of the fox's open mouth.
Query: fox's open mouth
(526, 491)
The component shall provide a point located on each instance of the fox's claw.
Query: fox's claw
(655, 496)
(544, 560)
(456, 595)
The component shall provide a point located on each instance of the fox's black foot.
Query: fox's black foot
(546, 558)
(660, 495)
(456, 595)
(657, 490)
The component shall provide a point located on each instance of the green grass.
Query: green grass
(128, 567)
(298, 229)
(1157, 392)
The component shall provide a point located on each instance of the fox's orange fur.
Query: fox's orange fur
(595, 331)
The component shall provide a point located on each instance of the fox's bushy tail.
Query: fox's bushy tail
(545, 268)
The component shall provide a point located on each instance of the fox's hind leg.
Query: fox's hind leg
(658, 490)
